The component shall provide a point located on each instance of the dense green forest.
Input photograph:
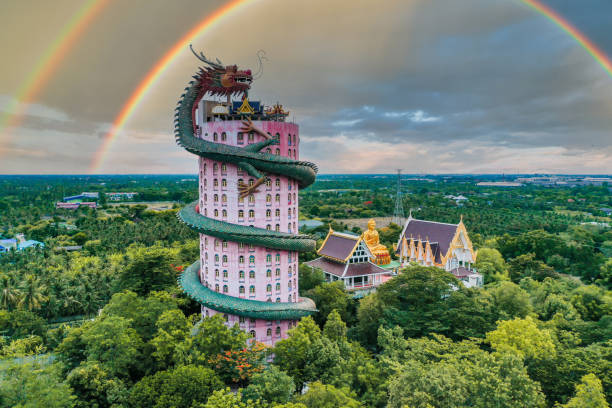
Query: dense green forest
(95, 318)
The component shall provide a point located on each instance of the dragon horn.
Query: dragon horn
(203, 58)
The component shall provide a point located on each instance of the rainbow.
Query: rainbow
(138, 95)
(569, 28)
(153, 75)
(47, 64)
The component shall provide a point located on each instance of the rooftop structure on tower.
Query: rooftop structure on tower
(247, 211)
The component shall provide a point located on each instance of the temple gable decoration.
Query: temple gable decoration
(443, 245)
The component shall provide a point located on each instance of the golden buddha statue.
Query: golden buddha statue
(372, 240)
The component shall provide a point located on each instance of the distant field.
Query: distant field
(151, 205)
(582, 214)
(363, 222)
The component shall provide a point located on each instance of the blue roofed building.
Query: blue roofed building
(7, 244)
(30, 243)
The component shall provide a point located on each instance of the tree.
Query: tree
(560, 375)
(148, 269)
(330, 296)
(111, 341)
(369, 313)
(510, 300)
(327, 396)
(605, 272)
(33, 385)
(589, 394)
(522, 336)
(182, 387)
(213, 337)
(271, 385)
(335, 328)
(95, 388)
(291, 354)
(9, 293)
(490, 263)
(143, 313)
(309, 278)
(80, 238)
(238, 366)
(592, 302)
(21, 323)
(527, 265)
(438, 372)
(414, 300)
(31, 293)
(172, 329)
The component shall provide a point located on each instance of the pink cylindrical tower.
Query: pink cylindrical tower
(247, 212)
(249, 271)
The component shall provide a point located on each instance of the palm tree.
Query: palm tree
(9, 294)
(32, 293)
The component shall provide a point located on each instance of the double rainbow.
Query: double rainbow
(50, 60)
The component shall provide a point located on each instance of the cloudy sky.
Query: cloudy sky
(432, 86)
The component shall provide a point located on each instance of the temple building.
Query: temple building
(446, 246)
(353, 259)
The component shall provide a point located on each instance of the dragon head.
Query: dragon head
(217, 79)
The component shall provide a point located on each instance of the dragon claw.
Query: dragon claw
(246, 190)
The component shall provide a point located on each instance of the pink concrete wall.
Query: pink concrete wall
(245, 271)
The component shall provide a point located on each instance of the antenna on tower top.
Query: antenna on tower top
(398, 213)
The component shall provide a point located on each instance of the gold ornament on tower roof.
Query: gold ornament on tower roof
(372, 240)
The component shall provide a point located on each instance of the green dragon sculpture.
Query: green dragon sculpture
(216, 79)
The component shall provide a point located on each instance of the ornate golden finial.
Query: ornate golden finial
(461, 219)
